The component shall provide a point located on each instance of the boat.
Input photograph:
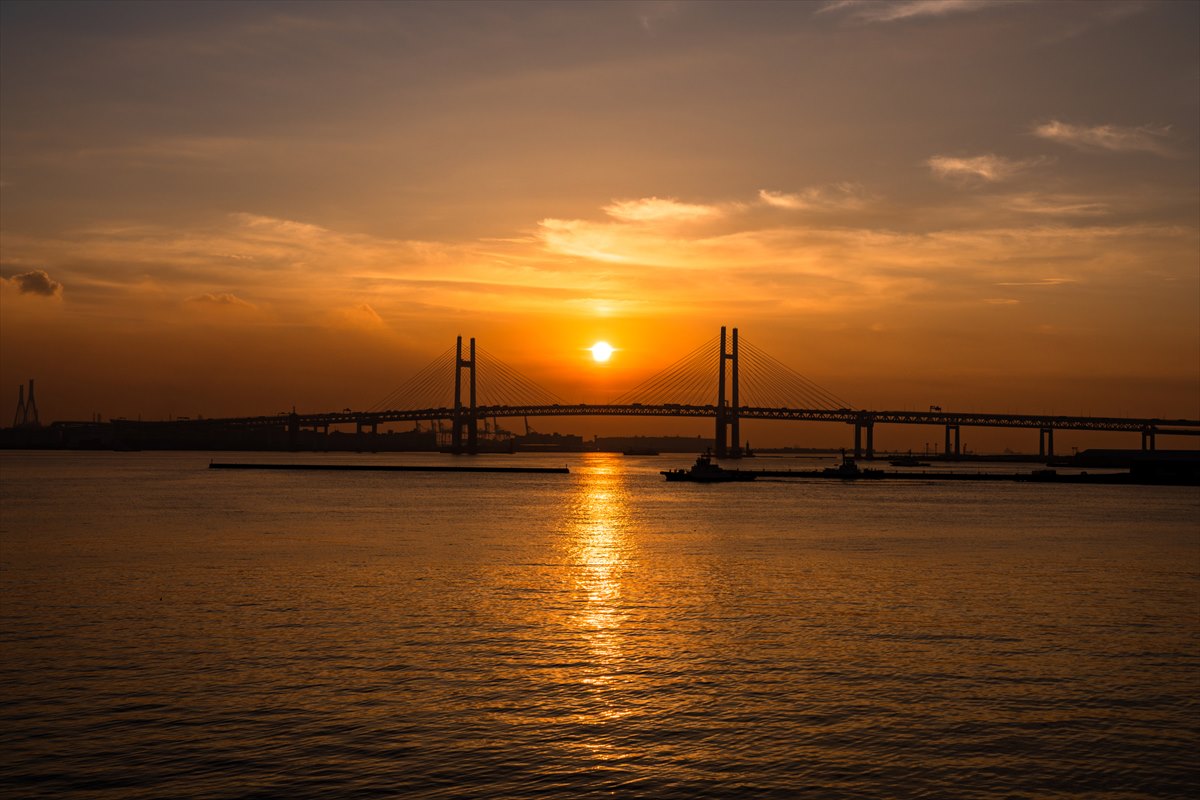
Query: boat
(704, 471)
(907, 461)
(850, 470)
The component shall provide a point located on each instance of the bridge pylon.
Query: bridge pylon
(464, 416)
(727, 414)
(27, 410)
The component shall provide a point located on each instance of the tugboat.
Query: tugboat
(704, 471)
(850, 470)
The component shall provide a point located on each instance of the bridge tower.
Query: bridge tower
(464, 417)
(727, 415)
(27, 410)
(19, 417)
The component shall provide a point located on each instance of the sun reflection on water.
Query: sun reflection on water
(599, 557)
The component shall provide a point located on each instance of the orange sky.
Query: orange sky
(235, 208)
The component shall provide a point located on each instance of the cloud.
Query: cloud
(360, 316)
(650, 14)
(1061, 205)
(308, 272)
(576, 237)
(1111, 138)
(37, 282)
(654, 209)
(222, 299)
(785, 264)
(989, 168)
(758, 254)
(1042, 282)
(1089, 16)
(875, 11)
(841, 196)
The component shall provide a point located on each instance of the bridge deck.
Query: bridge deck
(842, 415)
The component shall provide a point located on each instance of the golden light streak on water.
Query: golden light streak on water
(600, 554)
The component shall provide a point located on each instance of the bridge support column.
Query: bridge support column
(734, 427)
(1046, 443)
(464, 416)
(956, 451)
(293, 431)
(1148, 438)
(864, 421)
(727, 415)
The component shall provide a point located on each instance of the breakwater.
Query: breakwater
(389, 468)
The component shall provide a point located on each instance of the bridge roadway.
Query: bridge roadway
(857, 417)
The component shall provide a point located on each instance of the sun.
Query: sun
(601, 351)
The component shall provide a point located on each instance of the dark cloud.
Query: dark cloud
(37, 282)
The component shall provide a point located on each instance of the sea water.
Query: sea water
(171, 631)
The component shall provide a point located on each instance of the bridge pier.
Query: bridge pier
(1148, 438)
(293, 430)
(359, 426)
(957, 451)
(861, 423)
(1046, 443)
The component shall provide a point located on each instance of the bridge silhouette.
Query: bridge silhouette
(723, 379)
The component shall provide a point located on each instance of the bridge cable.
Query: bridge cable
(423, 388)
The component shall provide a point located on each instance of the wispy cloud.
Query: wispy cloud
(297, 272)
(1089, 16)
(362, 316)
(1112, 138)
(220, 299)
(1042, 282)
(651, 13)
(654, 209)
(1059, 205)
(171, 149)
(989, 168)
(878, 11)
(841, 196)
(782, 264)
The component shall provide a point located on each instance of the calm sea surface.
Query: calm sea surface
(171, 631)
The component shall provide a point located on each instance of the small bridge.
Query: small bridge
(723, 379)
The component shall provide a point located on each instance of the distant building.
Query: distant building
(555, 442)
(658, 444)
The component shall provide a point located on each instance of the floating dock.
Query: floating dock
(390, 468)
(1037, 476)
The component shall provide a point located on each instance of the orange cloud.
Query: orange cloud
(990, 167)
(221, 299)
(654, 209)
(875, 11)
(841, 196)
(1111, 138)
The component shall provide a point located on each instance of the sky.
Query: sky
(238, 208)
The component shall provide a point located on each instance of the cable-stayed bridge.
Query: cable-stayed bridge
(723, 379)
